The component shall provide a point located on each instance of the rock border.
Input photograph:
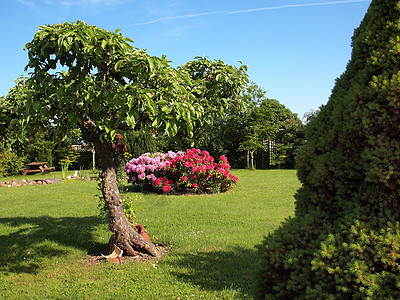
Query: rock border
(24, 182)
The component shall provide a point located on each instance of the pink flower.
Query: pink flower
(194, 185)
(184, 178)
(202, 168)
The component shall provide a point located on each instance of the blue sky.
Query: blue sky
(294, 49)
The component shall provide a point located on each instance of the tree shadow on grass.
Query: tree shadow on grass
(34, 239)
(234, 269)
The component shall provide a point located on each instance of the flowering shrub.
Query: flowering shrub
(147, 168)
(194, 171)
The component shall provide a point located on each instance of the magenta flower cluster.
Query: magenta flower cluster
(191, 172)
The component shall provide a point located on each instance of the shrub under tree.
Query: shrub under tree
(344, 241)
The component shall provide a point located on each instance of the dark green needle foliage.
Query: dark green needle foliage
(344, 241)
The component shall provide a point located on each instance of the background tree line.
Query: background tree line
(265, 135)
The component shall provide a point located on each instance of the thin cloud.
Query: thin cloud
(27, 3)
(86, 3)
(70, 3)
(189, 16)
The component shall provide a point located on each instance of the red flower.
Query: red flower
(166, 188)
(194, 185)
(188, 164)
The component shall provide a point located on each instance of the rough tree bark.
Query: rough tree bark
(125, 236)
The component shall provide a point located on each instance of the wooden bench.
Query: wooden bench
(36, 167)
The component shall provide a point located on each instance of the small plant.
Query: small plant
(10, 162)
(127, 201)
(128, 205)
(65, 163)
(127, 157)
(64, 166)
(83, 173)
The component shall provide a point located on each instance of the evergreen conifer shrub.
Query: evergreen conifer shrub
(344, 241)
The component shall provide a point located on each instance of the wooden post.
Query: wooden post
(93, 158)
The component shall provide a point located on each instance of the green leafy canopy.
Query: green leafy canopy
(84, 73)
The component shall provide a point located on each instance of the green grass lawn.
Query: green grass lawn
(47, 233)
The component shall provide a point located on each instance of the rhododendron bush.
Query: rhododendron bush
(192, 172)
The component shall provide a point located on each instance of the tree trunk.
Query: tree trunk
(125, 236)
(252, 159)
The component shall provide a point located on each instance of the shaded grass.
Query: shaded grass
(47, 232)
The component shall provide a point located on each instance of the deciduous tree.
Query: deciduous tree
(89, 78)
(268, 121)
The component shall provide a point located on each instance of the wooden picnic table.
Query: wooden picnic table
(36, 167)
